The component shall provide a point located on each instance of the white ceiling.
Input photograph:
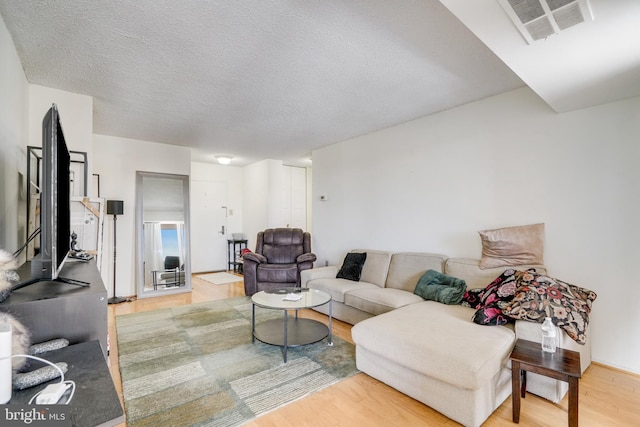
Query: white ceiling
(276, 79)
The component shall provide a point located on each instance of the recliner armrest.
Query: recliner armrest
(308, 257)
(252, 256)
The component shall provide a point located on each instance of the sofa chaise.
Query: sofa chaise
(431, 351)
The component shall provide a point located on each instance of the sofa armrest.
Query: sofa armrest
(317, 273)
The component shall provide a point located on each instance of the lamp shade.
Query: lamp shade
(115, 207)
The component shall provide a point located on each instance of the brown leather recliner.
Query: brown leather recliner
(280, 255)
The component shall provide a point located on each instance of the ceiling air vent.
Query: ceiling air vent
(538, 19)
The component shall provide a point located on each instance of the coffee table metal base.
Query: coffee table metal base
(290, 332)
(299, 332)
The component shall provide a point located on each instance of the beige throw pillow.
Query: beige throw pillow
(510, 246)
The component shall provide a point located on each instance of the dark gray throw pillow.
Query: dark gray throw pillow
(439, 287)
(352, 266)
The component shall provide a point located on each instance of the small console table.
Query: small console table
(234, 247)
(563, 365)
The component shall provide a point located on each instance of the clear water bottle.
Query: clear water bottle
(549, 338)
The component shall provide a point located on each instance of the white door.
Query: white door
(208, 226)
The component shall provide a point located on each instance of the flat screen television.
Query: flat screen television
(55, 200)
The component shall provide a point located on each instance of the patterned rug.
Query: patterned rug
(196, 365)
(220, 278)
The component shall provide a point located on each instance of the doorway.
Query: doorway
(209, 221)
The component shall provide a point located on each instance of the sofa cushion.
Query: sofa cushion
(337, 288)
(439, 341)
(469, 270)
(379, 300)
(376, 267)
(503, 247)
(352, 266)
(436, 286)
(406, 268)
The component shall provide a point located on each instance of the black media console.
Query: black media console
(53, 310)
(95, 402)
(50, 310)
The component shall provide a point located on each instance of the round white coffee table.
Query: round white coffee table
(290, 331)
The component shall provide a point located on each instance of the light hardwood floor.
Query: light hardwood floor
(608, 397)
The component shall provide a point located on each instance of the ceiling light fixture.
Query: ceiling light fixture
(224, 160)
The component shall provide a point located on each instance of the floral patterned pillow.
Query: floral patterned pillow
(471, 298)
(490, 315)
(490, 301)
(539, 296)
(502, 289)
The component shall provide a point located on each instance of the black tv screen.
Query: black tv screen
(55, 200)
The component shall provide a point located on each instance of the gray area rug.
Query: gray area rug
(196, 366)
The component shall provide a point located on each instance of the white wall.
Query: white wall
(14, 128)
(256, 200)
(430, 184)
(263, 193)
(268, 195)
(117, 160)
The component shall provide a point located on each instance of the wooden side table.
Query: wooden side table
(563, 365)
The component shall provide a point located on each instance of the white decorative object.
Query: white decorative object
(549, 341)
(87, 221)
(5, 363)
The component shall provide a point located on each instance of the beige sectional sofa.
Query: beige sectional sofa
(430, 351)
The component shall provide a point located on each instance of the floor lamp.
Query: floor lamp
(115, 208)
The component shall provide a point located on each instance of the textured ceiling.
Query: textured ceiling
(254, 79)
(263, 79)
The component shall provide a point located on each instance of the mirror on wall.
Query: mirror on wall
(162, 227)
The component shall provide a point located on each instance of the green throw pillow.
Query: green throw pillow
(439, 287)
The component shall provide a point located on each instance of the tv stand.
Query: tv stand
(95, 402)
(52, 309)
(57, 279)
